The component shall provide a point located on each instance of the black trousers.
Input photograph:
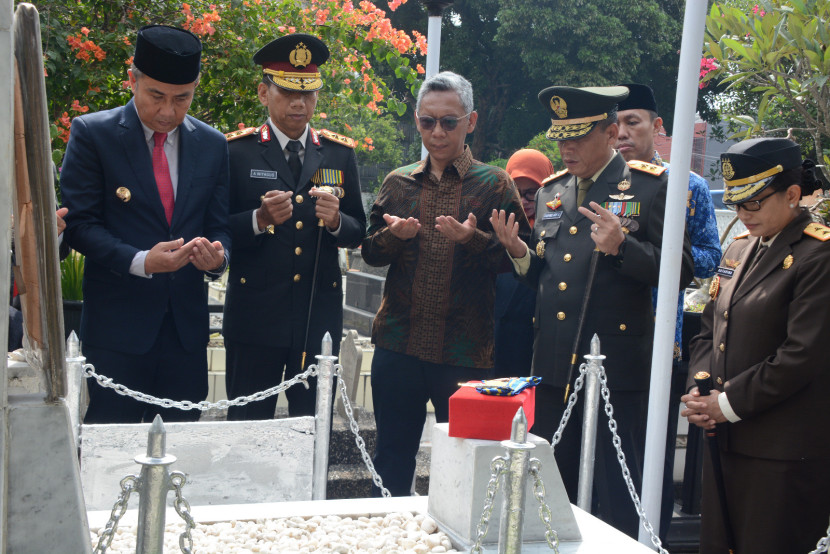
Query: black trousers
(611, 501)
(401, 387)
(251, 368)
(167, 370)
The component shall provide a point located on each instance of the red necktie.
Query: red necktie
(162, 172)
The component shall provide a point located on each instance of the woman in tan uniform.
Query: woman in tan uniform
(764, 340)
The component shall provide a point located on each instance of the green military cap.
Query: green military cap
(292, 62)
(750, 165)
(576, 111)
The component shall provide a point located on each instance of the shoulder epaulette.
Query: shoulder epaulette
(817, 231)
(338, 138)
(741, 236)
(233, 135)
(553, 177)
(647, 167)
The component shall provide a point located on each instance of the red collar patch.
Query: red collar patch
(264, 133)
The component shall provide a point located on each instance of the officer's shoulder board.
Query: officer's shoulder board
(233, 135)
(647, 167)
(338, 138)
(741, 236)
(817, 231)
(555, 176)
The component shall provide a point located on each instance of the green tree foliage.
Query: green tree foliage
(88, 47)
(772, 66)
(511, 49)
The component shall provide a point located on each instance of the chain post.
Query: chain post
(589, 427)
(155, 484)
(512, 511)
(361, 444)
(322, 419)
(128, 485)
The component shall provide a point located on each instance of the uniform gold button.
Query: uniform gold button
(572, 230)
(560, 316)
(297, 278)
(243, 280)
(722, 347)
(542, 234)
(566, 257)
(298, 251)
(563, 286)
(299, 225)
(726, 314)
(334, 284)
(534, 320)
(298, 199)
(719, 381)
(623, 327)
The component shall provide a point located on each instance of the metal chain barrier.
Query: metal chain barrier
(535, 469)
(128, 485)
(824, 544)
(583, 369)
(632, 491)
(204, 405)
(497, 467)
(361, 444)
(178, 479)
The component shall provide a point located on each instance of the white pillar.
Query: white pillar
(6, 175)
(435, 8)
(672, 248)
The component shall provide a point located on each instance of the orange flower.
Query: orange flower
(240, 125)
(129, 61)
(76, 107)
(346, 81)
(127, 41)
(420, 69)
(347, 126)
(85, 31)
(369, 140)
(323, 115)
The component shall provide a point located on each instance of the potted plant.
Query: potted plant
(72, 277)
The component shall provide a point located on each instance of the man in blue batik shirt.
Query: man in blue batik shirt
(639, 124)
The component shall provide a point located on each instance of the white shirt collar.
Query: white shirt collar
(283, 138)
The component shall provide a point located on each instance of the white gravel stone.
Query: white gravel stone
(395, 533)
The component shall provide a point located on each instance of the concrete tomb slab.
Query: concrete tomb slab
(226, 462)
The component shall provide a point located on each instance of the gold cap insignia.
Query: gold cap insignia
(788, 262)
(300, 56)
(123, 194)
(727, 170)
(624, 185)
(540, 249)
(559, 106)
(713, 288)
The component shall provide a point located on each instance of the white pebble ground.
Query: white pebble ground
(400, 533)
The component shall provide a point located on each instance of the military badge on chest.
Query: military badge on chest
(540, 246)
(626, 210)
(553, 209)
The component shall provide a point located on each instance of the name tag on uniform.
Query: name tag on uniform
(552, 215)
(263, 174)
(725, 271)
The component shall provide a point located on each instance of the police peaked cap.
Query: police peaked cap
(292, 62)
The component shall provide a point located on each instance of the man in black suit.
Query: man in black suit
(286, 231)
(147, 190)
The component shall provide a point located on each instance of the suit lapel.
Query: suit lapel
(312, 160)
(739, 275)
(131, 136)
(188, 157)
(569, 197)
(599, 191)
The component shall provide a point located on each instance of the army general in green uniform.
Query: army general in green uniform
(276, 205)
(598, 202)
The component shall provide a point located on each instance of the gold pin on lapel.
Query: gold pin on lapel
(123, 194)
(540, 249)
(624, 185)
(788, 262)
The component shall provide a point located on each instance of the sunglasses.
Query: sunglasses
(448, 122)
(750, 205)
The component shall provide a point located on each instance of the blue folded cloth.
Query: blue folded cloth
(509, 386)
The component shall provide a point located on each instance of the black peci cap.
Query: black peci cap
(640, 97)
(292, 62)
(749, 166)
(168, 54)
(576, 111)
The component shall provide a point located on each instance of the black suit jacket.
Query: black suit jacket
(107, 152)
(620, 310)
(269, 285)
